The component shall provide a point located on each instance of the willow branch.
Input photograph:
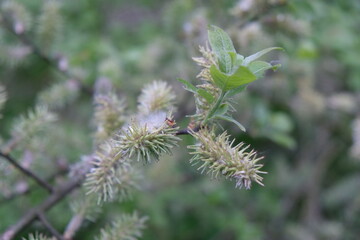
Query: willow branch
(53, 62)
(51, 201)
(30, 188)
(26, 172)
(49, 227)
(73, 226)
(187, 131)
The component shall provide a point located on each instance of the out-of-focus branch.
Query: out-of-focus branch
(27, 172)
(10, 145)
(312, 208)
(73, 226)
(51, 201)
(49, 227)
(51, 61)
(28, 189)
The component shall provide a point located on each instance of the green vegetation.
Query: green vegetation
(103, 108)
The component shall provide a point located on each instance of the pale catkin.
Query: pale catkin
(147, 142)
(19, 16)
(38, 120)
(38, 236)
(109, 115)
(59, 94)
(126, 227)
(217, 155)
(104, 173)
(49, 25)
(156, 96)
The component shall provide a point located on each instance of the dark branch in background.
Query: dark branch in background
(51, 61)
(17, 194)
(317, 158)
(51, 201)
(48, 225)
(73, 226)
(27, 172)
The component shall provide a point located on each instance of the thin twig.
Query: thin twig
(73, 226)
(187, 131)
(49, 227)
(53, 62)
(51, 201)
(27, 172)
(14, 195)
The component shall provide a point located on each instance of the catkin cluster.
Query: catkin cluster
(144, 137)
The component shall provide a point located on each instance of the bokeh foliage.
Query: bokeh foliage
(300, 118)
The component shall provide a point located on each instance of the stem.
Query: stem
(51, 61)
(73, 226)
(15, 194)
(27, 172)
(50, 227)
(51, 201)
(215, 107)
(187, 131)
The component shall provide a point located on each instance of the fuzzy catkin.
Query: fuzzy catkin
(147, 142)
(156, 96)
(104, 175)
(217, 155)
(126, 227)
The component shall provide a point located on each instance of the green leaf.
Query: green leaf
(208, 97)
(227, 82)
(283, 140)
(255, 56)
(236, 60)
(220, 40)
(223, 108)
(236, 91)
(260, 67)
(221, 45)
(188, 86)
(239, 59)
(230, 119)
(225, 63)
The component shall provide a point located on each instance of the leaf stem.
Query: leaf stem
(215, 107)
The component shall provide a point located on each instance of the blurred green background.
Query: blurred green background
(302, 118)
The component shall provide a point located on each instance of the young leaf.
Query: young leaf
(259, 67)
(235, 91)
(240, 77)
(220, 40)
(202, 92)
(236, 60)
(223, 108)
(221, 45)
(230, 119)
(225, 63)
(188, 86)
(255, 56)
(227, 82)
